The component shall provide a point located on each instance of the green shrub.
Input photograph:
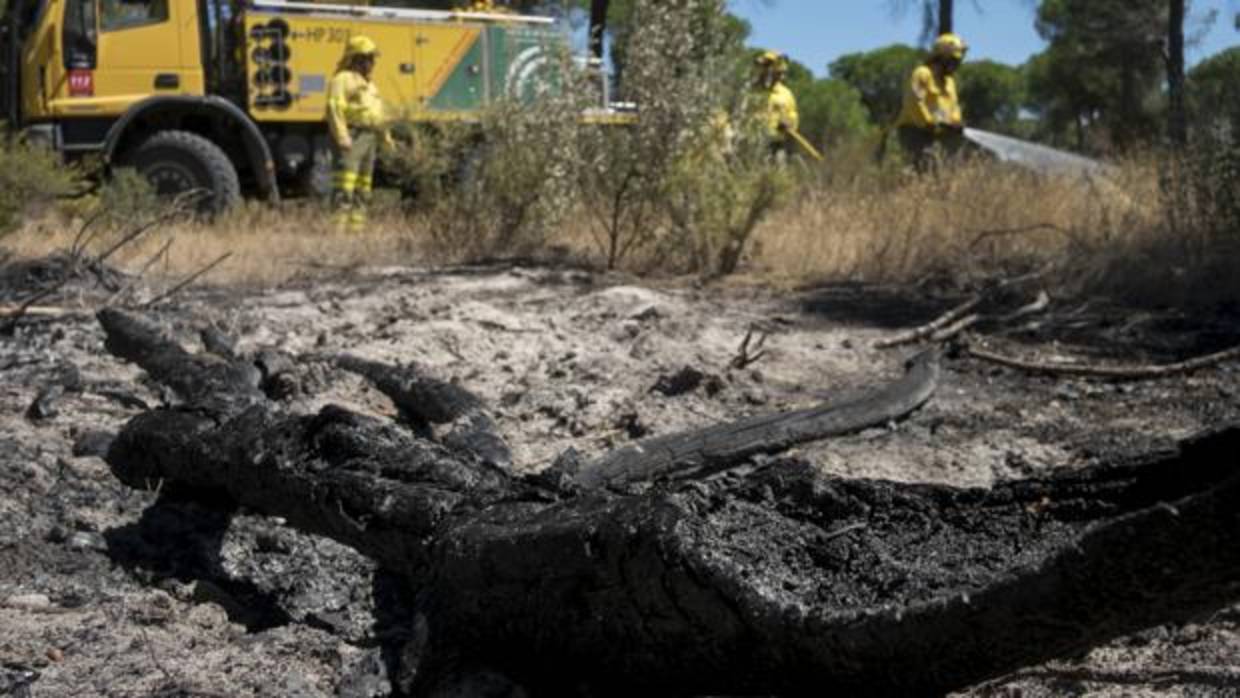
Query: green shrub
(31, 177)
(684, 185)
(127, 196)
(496, 188)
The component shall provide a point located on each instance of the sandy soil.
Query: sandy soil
(105, 592)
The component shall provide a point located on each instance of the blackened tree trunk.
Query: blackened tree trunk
(598, 26)
(1177, 114)
(946, 16)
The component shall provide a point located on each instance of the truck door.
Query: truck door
(146, 47)
(42, 69)
(19, 22)
(396, 71)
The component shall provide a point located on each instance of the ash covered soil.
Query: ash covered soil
(105, 591)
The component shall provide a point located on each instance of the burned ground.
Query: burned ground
(110, 591)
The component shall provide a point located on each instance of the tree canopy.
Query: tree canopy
(879, 76)
(1214, 89)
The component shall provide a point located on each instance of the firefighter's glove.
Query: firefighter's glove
(345, 146)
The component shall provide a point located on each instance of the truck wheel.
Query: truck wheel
(175, 162)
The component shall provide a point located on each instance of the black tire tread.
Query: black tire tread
(224, 181)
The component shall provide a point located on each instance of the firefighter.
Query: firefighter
(355, 117)
(931, 115)
(483, 7)
(778, 106)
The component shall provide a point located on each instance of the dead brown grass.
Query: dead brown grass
(979, 219)
(982, 220)
(269, 245)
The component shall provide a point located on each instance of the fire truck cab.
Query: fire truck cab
(229, 97)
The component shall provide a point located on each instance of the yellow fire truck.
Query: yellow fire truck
(228, 97)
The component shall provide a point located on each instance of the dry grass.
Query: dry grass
(984, 220)
(980, 220)
(269, 246)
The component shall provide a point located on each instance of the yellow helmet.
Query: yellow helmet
(773, 61)
(949, 46)
(361, 46)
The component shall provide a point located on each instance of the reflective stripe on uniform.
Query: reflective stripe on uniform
(345, 180)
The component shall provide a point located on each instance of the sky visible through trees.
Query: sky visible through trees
(816, 32)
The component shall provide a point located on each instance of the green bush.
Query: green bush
(683, 187)
(127, 196)
(31, 177)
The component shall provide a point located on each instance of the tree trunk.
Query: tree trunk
(1177, 115)
(598, 27)
(778, 581)
(946, 16)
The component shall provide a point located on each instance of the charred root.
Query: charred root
(781, 581)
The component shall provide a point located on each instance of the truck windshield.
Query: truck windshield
(126, 14)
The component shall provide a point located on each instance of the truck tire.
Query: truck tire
(175, 162)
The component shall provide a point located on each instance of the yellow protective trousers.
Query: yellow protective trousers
(353, 180)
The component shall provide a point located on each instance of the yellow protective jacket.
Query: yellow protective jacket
(353, 102)
(781, 110)
(484, 7)
(930, 101)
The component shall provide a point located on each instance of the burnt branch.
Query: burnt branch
(750, 350)
(457, 416)
(205, 382)
(185, 283)
(1131, 372)
(919, 333)
(785, 581)
(960, 318)
(704, 451)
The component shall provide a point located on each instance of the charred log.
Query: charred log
(783, 581)
(206, 382)
(428, 402)
(701, 452)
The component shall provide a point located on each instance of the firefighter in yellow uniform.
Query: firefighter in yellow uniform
(356, 120)
(777, 105)
(483, 7)
(931, 115)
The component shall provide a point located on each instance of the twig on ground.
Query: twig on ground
(750, 351)
(13, 317)
(1136, 372)
(83, 237)
(844, 530)
(1039, 304)
(919, 333)
(189, 280)
(1221, 677)
(175, 209)
(141, 273)
(137, 233)
(954, 321)
(38, 310)
(956, 328)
